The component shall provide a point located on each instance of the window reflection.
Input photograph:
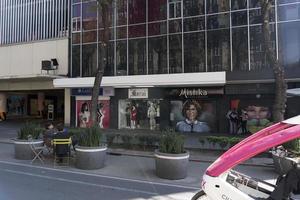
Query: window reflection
(218, 54)
(75, 60)
(89, 60)
(121, 58)
(238, 4)
(157, 55)
(289, 41)
(122, 12)
(240, 49)
(89, 16)
(157, 10)
(289, 12)
(193, 7)
(256, 18)
(258, 56)
(239, 18)
(175, 26)
(175, 57)
(157, 28)
(218, 21)
(137, 56)
(214, 6)
(137, 11)
(194, 52)
(194, 24)
(109, 63)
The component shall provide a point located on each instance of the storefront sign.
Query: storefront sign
(106, 91)
(195, 92)
(141, 93)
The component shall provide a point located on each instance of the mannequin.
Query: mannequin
(151, 115)
(133, 117)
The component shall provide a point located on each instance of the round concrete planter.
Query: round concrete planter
(23, 150)
(90, 157)
(171, 166)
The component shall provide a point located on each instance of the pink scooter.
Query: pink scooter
(220, 182)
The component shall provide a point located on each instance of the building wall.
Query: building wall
(25, 59)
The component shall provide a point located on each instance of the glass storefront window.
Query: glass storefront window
(137, 31)
(218, 21)
(139, 114)
(194, 52)
(218, 54)
(122, 12)
(193, 7)
(238, 4)
(258, 56)
(89, 59)
(137, 56)
(158, 28)
(240, 49)
(76, 9)
(194, 24)
(239, 18)
(175, 53)
(175, 26)
(289, 43)
(122, 32)
(75, 60)
(136, 11)
(157, 55)
(121, 58)
(89, 15)
(76, 38)
(289, 12)
(287, 1)
(256, 18)
(215, 6)
(90, 36)
(109, 68)
(157, 10)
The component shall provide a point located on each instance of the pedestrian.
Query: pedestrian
(233, 118)
(244, 119)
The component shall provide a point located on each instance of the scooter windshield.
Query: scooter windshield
(259, 142)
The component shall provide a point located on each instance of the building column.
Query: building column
(67, 104)
(3, 103)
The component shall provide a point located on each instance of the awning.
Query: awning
(168, 80)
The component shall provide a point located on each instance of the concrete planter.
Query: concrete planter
(171, 166)
(90, 157)
(23, 150)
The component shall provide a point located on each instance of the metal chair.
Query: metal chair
(61, 150)
(37, 151)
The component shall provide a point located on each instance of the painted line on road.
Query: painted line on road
(79, 182)
(102, 176)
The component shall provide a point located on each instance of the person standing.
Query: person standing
(244, 119)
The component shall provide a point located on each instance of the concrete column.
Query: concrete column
(67, 104)
(3, 106)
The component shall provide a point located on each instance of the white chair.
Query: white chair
(37, 151)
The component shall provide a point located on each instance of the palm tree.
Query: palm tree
(278, 70)
(103, 15)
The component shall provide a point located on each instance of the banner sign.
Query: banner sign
(141, 93)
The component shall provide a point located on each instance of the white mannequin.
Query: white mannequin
(152, 114)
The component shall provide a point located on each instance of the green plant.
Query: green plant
(293, 146)
(91, 137)
(110, 138)
(223, 141)
(29, 130)
(171, 142)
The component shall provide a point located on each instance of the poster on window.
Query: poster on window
(193, 116)
(83, 110)
(248, 117)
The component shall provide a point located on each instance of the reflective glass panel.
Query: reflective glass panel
(89, 60)
(289, 12)
(137, 56)
(240, 49)
(137, 11)
(218, 21)
(89, 15)
(76, 61)
(239, 18)
(157, 10)
(175, 54)
(157, 55)
(218, 50)
(194, 52)
(238, 4)
(137, 31)
(159, 28)
(194, 24)
(90, 36)
(193, 7)
(215, 6)
(121, 58)
(122, 12)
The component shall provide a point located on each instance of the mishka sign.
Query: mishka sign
(195, 92)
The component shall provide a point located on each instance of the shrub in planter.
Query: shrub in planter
(90, 154)
(171, 158)
(27, 134)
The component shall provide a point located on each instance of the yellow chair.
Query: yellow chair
(61, 150)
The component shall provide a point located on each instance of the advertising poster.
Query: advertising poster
(83, 108)
(193, 115)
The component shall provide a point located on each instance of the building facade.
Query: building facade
(165, 54)
(34, 43)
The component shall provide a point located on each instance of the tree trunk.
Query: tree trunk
(278, 70)
(103, 6)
